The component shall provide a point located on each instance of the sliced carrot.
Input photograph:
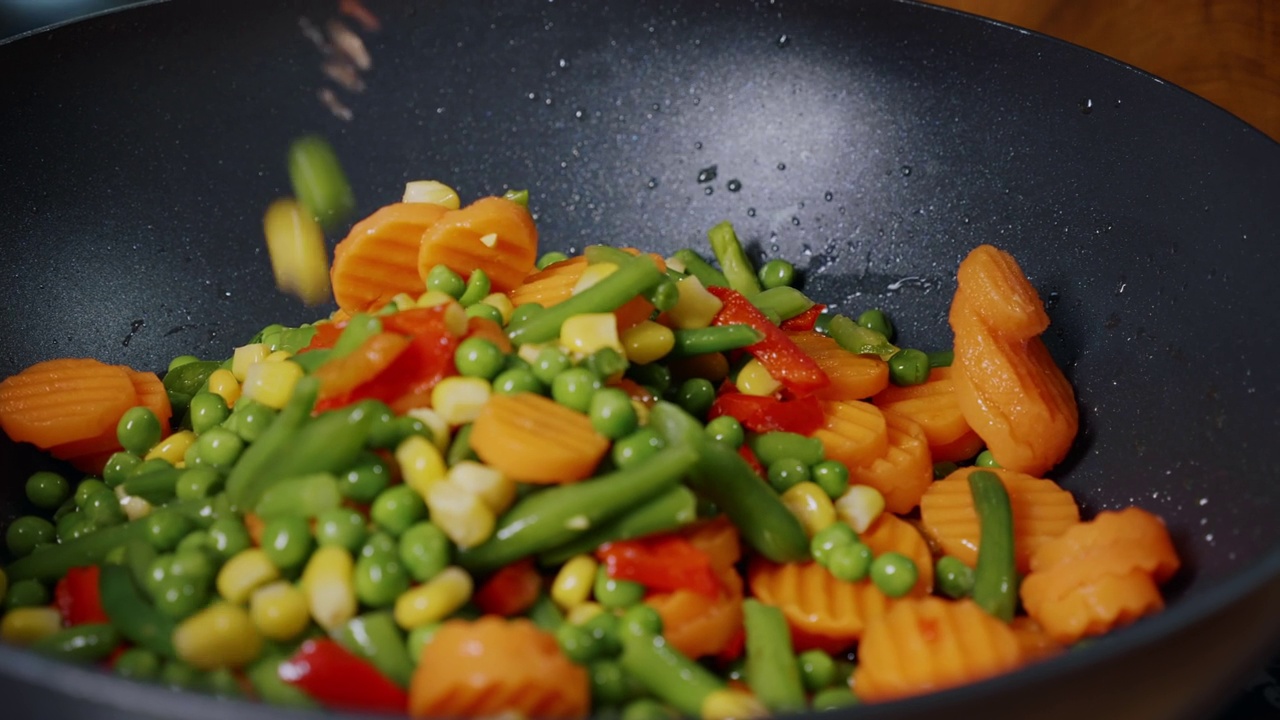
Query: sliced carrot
(1042, 511)
(822, 612)
(550, 285)
(1001, 294)
(853, 376)
(85, 453)
(493, 666)
(926, 644)
(511, 590)
(534, 439)
(719, 539)
(698, 625)
(890, 533)
(1129, 530)
(1033, 639)
(853, 432)
(61, 401)
(492, 234)
(379, 257)
(254, 525)
(1095, 607)
(964, 447)
(904, 471)
(341, 375)
(932, 404)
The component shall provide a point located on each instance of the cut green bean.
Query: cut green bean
(54, 561)
(359, 328)
(733, 259)
(132, 614)
(784, 301)
(696, 266)
(86, 643)
(155, 486)
(666, 672)
(306, 495)
(673, 509)
(772, 672)
(376, 638)
(720, 338)
(860, 340)
(771, 447)
(319, 182)
(995, 579)
(941, 358)
(636, 276)
(274, 444)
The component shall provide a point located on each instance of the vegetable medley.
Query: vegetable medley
(493, 482)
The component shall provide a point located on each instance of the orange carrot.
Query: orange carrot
(890, 533)
(511, 590)
(379, 257)
(927, 644)
(719, 539)
(1033, 639)
(853, 432)
(550, 285)
(962, 448)
(1128, 530)
(904, 471)
(1095, 606)
(62, 401)
(1001, 294)
(822, 612)
(91, 454)
(853, 376)
(698, 625)
(534, 439)
(492, 234)
(341, 375)
(254, 525)
(493, 666)
(1042, 511)
(932, 404)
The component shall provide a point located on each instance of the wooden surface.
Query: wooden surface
(1227, 51)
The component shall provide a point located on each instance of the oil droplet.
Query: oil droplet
(1086, 106)
(707, 174)
(795, 220)
(708, 190)
(734, 185)
(580, 114)
(906, 170)
(697, 101)
(828, 196)
(697, 146)
(751, 212)
(563, 63)
(653, 183)
(783, 40)
(656, 107)
(532, 96)
(782, 166)
(964, 219)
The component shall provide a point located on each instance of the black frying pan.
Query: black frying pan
(874, 143)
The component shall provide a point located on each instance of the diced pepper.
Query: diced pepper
(663, 563)
(766, 414)
(77, 598)
(338, 679)
(790, 365)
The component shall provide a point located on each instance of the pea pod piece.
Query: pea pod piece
(319, 182)
(376, 638)
(184, 381)
(860, 340)
(672, 509)
(733, 259)
(771, 447)
(291, 340)
(772, 671)
(719, 338)
(995, 578)
(256, 463)
(306, 495)
(86, 643)
(359, 328)
(89, 549)
(786, 302)
(132, 614)
(695, 265)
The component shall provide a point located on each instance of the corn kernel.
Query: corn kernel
(220, 636)
(594, 274)
(272, 383)
(754, 379)
(696, 307)
(572, 585)
(462, 515)
(589, 332)
(440, 435)
(859, 506)
(675, 263)
(456, 320)
(172, 448)
(135, 508)
(489, 484)
(490, 240)
(26, 625)
(431, 191)
(810, 505)
(730, 704)
(278, 356)
(295, 243)
(328, 584)
(529, 352)
(421, 464)
(279, 610)
(458, 400)
(582, 612)
(403, 301)
(247, 355)
(434, 600)
(648, 342)
(245, 572)
(502, 303)
(225, 385)
(432, 298)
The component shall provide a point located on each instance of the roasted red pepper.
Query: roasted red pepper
(784, 360)
(663, 563)
(511, 590)
(337, 679)
(804, 321)
(766, 414)
(77, 599)
(327, 333)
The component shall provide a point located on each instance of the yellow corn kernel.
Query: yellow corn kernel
(26, 625)
(434, 600)
(529, 352)
(594, 274)
(134, 507)
(458, 400)
(431, 191)
(421, 464)
(279, 610)
(247, 355)
(277, 356)
(440, 435)
(245, 572)
(589, 332)
(462, 515)
(172, 448)
(489, 484)
(220, 636)
(582, 612)
(432, 298)
(675, 263)
(501, 303)
(754, 379)
(403, 301)
(329, 586)
(642, 412)
(859, 506)
(647, 342)
(696, 307)
(811, 506)
(730, 704)
(572, 585)
(295, 243)
(225, 385)
(272, 383)
(456, 320)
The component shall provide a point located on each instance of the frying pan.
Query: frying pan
(872, 143)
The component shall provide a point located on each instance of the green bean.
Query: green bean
(772, 672)
(636, 276)
(477, 289)
(771, 447)
(785, 302)
(941, 358)
(90, 549)
(673, 509)
(519, 197)
(857, 339)
(555, 516)
(376, 638)
(661, 295)
(184, 381)
(318, 181)
(84, 643)
(359, 328)
(733, 259)
(695, 265)
(666, 672)
(876, 319)
(311, 360)
(276, 442)
(264, 675)
(306, 495)
(460, 447)
(719, 338)
(132, 614)
(995, 579)
(155, 486)
(291, 340)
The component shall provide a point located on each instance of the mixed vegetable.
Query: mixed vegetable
(494, 482)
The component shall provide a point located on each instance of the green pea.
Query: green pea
(574, 387)
(524, 312)
(577, 643)
(953, 577)
(137, 663)
(610, 685)
(425, 551)
(342, 527)
(614, 593)
(943, 469)
(138, 430)
(834, 699)
(163, 528)
(377, 543)
(908, 367)
(28, 531)
(606, 628)
(648, 709)
(180, 675)
(218, 448)
(817, 670)
(665, 295)
(517, 380)
(636, 447)
(851, 562)
(119, 467)
(515, 362)
(142, 468)
(832, 476)
(48, 490)
(198, 483)
(287, 541)
(550, 362)
(26, 593)
(777, 273)
(179, 597)
(486, 311)
(696, 395)
(551, 258)
(379, 579)
(642, 618)
(445, 280)
(835, 535)
(726, 429)
(194, 541)
(606, 363)
(875, 319)
(786, 473)
(419, 637)
(249, 420)
(894, 573)
(227, 537)
(181, 360)
(90, 487)
(478, 357)
(986, 459)
(612, 414)
(941, 358)
(655, 376)
(381, 424)
(73, 525)
(208, 410)
(366, 479)
(223, 683)
(103, 509)
(396, 509)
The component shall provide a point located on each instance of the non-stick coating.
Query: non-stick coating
(874, 143)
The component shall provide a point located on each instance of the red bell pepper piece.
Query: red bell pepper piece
(804, 321)
(77, 599)
(662, 563)
(335, 678)
(750, 456)
(327, 333)
(784, 360)
(766, 414)
(511, 590)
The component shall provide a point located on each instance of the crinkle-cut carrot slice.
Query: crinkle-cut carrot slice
(1001, 294)
(91, 454)
(965, 447)
(932, 404)
(822, 612)
(379, 257)
(1035, 641)
(1042, 511)
(904, 471)
(853, 376)
(62, 401)
(534, 439)
(492, 234)
(698, 625)
(551, 285)
(1140, 534)
(890, 533)
(1094, 607)
(853, 432)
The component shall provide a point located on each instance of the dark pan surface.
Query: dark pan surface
(874, 142)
